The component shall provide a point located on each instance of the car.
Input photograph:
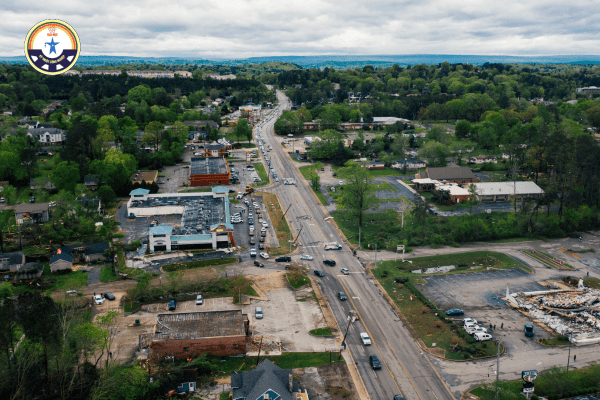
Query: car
(199, 300)
(258, 314)
(306, 257)
(455, 311)
(341, 182)
(263, 229)
(398, 397)
(342, 296)
(374, 361)
(172, 305)
(252, 252)
(109, 296)
(469, 321)
(264, 255)
(482, 337)
(265, 225)
(259, 264)
(331, 263)
(261, 246)
(98, 299)
(345, 271)
(251, 221)
(261, 239)
(319, 273)
(2, 200)
(364, 336)
(283, 259)
(252, 241)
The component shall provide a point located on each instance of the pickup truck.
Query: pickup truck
(333, 246)
(364, 336)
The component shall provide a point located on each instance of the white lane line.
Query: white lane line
(417, 366)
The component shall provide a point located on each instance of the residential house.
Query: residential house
(376, 165)
(48, 136)
(36, 213)
(94, 205)
(483, 160)
(588, 91)
(29, 124)
(91, 181)
(12, 261)
(266, 382)
(42, 184)
(454, 174)
(61, 261)
(312, 126)
(96, 251)
(503, 191)
(411, 164)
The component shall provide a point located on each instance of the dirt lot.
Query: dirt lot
(327, 382)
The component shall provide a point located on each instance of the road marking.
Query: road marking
(404, 369)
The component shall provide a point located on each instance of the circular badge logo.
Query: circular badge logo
(52, 47)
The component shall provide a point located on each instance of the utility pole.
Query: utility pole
(259, 347)
(350, 319)
(497, 369)
(359, 236)
(376, 255)
(569, 358)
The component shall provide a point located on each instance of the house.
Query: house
(312, 126)
(144, 176)
(187, 334)
(94, 205)
(483, 160)
(503, 191)
(12, 261)
(376, 165)
(37, 213)
(61, 261)
(213, 150)
(411, 164)
(96, 251)
(42, 184)
(454, 174)
(265, 382)
(91, 181)
(29, 124)
(196, 124)
(48, 136)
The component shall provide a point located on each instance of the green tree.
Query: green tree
(472, 195)
(139, 93)
(65, 176)
(6, 290)
(115, 169)
(106, 194)
(358, 195)
(243, 130)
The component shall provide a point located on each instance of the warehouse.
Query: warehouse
(206, 171)
(188, 334)
(205, 219)
(502, 191)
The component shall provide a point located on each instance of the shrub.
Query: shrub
(534, 397)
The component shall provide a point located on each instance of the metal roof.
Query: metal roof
(507, 188)
(208, 165)
(161, 230)
(139, 191)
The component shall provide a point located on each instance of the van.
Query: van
(172, 305)
(258, 313)
(482, 337)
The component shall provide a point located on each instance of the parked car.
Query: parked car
(374, 361)
(172, 305)
(455, 311)
(258, 264)
(98, 299)
(331, 263)
(364, 336)
(258, 314)
(199, 300)
(252, 241)
(252, 252)
(264, 255)
(283, 259)
(109, 296)
(469, 320)
(342, 296)
(482, 337)
(345, 271)
(319, 273)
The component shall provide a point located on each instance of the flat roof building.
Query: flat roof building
(144, 176)
(502, 191)
(206, 171)
(186, 334)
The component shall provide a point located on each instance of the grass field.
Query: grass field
(107, 274)
(321, 332)
(371, 226)
(200, 264)
(298, 282)
(373, 172)
(280, 225)
(262, 174)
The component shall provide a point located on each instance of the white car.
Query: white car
(252, 252)
(306, 257)
(345, 271)
(265, 225)
(98, 299)
(364, 336)
(199, 300)
(341, 183)
(264, 255)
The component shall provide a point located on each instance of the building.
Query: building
(140, 74)
(205, 218)
(376, 165)
(28, 213)
(483, 160)
(456, 192)
(197, 124)
(588, 91)
(266, 382)
(12, 261)
(94, 205)
(206, 171)
(503, 191)
(214, 150)
(91, 181)
(42, 184)
(188, 334)
(96, 251)
(66, 256)
(455, 174)
(48, 136)
(220, 77)
(144, 176)
(61, 261)
(251, 109)
(411, 164)
(385, 121)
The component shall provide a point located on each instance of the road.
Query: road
(406, 370)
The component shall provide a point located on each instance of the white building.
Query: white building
(502, 191)
(48, 136)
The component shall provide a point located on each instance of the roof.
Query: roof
(266, 376)
(200, 324)
(147, 176)
(220, 189)
(91, 179)
(42, 183)
(448, 173)
(42, 131)
(16, 257)
(31, 207)
(96, 248)
(454, 190)
(208, 165)
(139, 191)
(507, 188)
(62, 256)
(161, 230)
(89, 203)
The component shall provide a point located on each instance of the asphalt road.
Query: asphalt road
(405, 369)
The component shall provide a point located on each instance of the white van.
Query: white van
(258, 313)
(482, 337)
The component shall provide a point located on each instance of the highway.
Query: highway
(406, 370)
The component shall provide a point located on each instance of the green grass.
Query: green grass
(299, 282)
(321, 332)
(306, 171)
(131, 306)
(262, 174)
(107, 274)
(404, 199)
(373, 172)
(199, 264)
(279, 223)
(593, 283)
(558, 340)
(224, 395)
(458, 206)
(349, 225)
(384, 186)
(285, 361)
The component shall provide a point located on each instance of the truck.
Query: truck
(528, 330)
(333, 246)
(249, 189)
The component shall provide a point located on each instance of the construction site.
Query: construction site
(574, 313)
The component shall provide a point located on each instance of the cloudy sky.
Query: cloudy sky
(247, 28)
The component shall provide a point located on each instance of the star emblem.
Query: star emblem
(52, 45)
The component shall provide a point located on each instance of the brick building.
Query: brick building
(181, 335)
(206, 171)
(456, 174)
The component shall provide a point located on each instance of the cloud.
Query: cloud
(246, 28)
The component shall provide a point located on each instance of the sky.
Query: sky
(249, 28)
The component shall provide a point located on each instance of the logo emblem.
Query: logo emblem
(52, 47)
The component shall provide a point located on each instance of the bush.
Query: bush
(534, 397)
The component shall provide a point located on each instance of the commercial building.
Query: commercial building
(589, 91)
(205, 218)
(502, 191)
(188, 334)
(206, 171)
(455, 174)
